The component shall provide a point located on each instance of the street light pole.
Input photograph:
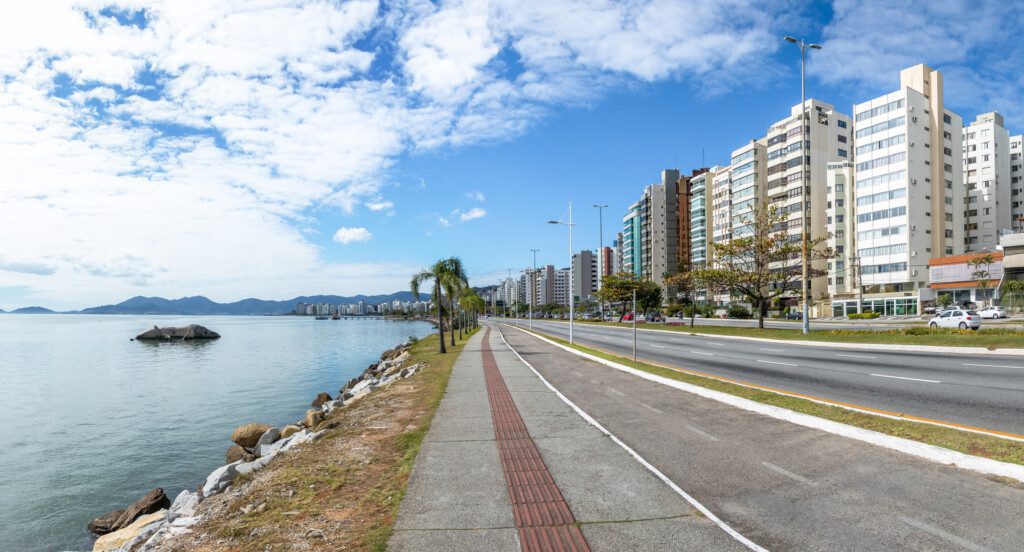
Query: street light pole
(572, 298)
(533, 285)
(600, 256)
(804, 181)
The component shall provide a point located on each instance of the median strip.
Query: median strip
(979, 449)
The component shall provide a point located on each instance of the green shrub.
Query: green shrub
(864, 316)
(737, 311)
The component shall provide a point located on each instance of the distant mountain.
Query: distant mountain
(201, 305)
(32, 310)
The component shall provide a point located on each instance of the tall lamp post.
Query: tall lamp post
(804, 180)
(600, 256)
(572, 297)
(533, 284)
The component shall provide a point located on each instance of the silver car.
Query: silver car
(957, 318)
(992, 312)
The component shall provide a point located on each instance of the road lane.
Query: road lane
(934, 386)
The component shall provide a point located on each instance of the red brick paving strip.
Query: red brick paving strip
(542, 517)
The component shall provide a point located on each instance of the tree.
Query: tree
(471, 303)
(452, 284)
(687, 281)
(648, 295)
(981, 274)
(619, 288)
(762, 264)
(443, 277)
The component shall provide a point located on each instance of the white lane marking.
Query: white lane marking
(772, 350)
(577, 373)
(617, 392)
(657, 473)
(595, 382)
(715, 344)
(701, 433)
(700, 353)
(902, 378)
(992, 365)
(854, 356)
(651, 408)
(659, 346)
(943, 534)
(788, 473)
(773, 362)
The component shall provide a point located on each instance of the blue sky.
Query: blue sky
(304, 147)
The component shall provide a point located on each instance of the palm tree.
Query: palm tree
(472, 304)
(441, 273)
(453, 280)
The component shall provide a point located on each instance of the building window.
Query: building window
(841, 124)
(947, 119)
(842, 153)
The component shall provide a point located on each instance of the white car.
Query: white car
(957, 318)
(992, 312)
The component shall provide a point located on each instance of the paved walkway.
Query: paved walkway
(786, 487)
(508, 465)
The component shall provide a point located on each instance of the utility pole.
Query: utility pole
(804, 181)
(860, 284)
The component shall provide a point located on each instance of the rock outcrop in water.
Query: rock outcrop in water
(118, 519)
(192, 331)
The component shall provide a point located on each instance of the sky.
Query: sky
(272, 148)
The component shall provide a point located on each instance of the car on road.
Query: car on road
(992, 312)
(627, 317)
(793, 315)
(956, 318)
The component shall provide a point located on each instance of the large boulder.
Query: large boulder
(118, 519)
(313, 418)
(320, 399)
(188, 333)
(289, 430)
(236, 453)
(220, 479)
(117, 539)
(272, 434)
(249, 434)
(184, 505)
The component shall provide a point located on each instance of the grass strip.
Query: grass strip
(985, 446)
(992, 338)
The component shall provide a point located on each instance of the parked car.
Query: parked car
(628, 317)
(957, 318)
(655, 317)
(992, 312)
(793, 315)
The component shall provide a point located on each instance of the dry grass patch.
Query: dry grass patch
(341, 492)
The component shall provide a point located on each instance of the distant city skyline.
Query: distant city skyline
(337, 149)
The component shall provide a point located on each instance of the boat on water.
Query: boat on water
(321, 318)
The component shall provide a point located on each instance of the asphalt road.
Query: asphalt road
(985, 391)
(783, 486)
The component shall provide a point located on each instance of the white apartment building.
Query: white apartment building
(1017, 182)
(584, 273)
(986, 167)
(746, 187)
(909, 189)
(840, 218)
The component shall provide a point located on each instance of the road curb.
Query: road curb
(914, 448)
(841, 345)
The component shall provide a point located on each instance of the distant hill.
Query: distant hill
(32, 310)
(201, 305)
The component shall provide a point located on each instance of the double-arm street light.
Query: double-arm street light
(600, 256)
(572, 297)
(805, 182)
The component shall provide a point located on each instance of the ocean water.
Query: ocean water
(91, 421)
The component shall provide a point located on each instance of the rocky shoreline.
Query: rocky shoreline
(153, 519)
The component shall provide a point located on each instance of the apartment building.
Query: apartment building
(683, 202)
(986, 168)
(700, 219)
(1017, 182)
(909, 189)
(840, 224)
(650, 231)
(584, 274)
(796, 169)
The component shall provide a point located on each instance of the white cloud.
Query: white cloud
(379, 205)
(443, 221)
(477, 196)
(471, 214)
(194, 154)
(346, 235)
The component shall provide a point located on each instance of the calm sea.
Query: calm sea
(91, 420)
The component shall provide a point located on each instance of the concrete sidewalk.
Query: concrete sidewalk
(458, 498)
(784, 486)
